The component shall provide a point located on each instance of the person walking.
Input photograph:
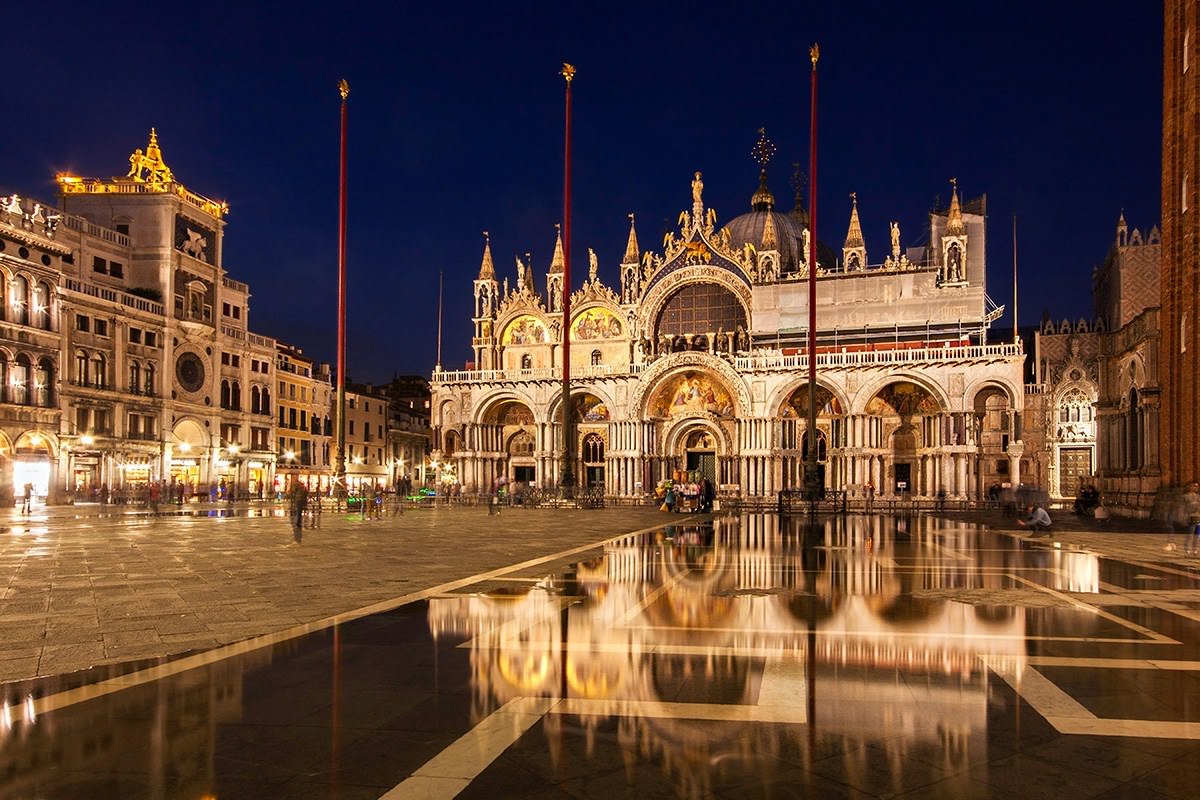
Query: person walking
(368, 500)
(28, 499)
(298, 499)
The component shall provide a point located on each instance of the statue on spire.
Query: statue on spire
(697, 191)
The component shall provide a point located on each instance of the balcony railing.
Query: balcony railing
(763, 361)
(115, 296)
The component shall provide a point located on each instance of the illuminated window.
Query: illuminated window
(18, 381)
(43, 384)
(597, 359)
(99, 370)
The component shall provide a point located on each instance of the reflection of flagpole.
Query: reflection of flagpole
(812, 480)
(567, 476)
(339, 473)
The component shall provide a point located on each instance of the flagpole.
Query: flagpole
(1016, 320)
(567, 476)
(339, 475)
(438, 368)
(812, 478)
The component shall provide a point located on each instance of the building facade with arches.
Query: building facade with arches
(697, 363)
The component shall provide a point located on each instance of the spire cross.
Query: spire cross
(764, 149)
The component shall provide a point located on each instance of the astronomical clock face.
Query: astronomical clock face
(189, 371)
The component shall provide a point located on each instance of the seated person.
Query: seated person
(1088, 499)
(1036, 519)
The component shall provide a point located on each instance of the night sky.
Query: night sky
(456, 118)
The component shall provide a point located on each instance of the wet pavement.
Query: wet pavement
(595, 654)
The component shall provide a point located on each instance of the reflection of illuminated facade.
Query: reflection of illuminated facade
(824, 617)
(697, 362)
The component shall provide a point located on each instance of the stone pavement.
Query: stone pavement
(87, 585)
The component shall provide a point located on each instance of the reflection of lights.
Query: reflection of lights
(6, 717)
(30, 712)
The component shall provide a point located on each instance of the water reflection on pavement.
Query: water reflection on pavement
(741, 656)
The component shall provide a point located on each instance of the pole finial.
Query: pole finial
(814, 53)
(343, 88)
(568, 72)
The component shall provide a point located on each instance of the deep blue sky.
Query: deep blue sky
(456, 116)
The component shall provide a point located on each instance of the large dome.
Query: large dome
(789, 230)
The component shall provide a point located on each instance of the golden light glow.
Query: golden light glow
(290, 455)
(184, 447)
(87, 439)
(235, 448)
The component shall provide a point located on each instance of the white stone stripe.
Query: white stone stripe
(1036, 689)
(1113, 663)
(450, 771)
(1146, 728)
(1079, 604)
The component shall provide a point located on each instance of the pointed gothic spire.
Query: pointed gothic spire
(487, 270)
(631, 247)
(854, 236)
(954, 225)
(557, 262)
(769, 240)
(1122, 228)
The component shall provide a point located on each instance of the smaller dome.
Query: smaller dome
(762, 200)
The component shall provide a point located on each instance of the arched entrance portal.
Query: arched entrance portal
(794, 439)
(901, 421)
(700, 455)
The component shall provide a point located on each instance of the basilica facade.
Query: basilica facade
(697, 363)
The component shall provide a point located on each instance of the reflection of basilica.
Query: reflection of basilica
(817, 626)
(698, 361)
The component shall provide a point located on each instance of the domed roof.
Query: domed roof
(749, 227)
(789, 230)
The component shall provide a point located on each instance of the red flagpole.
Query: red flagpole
(567, 476)
(340, 463)
(812, 479)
